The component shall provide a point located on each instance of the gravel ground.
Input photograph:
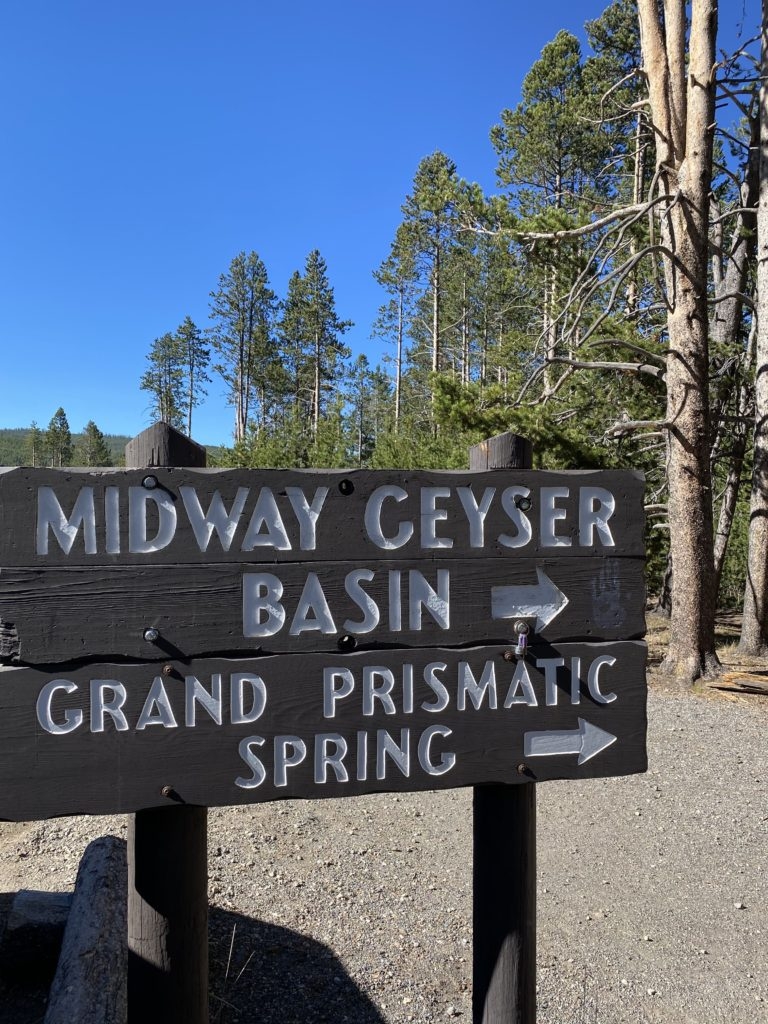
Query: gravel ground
(652, 892)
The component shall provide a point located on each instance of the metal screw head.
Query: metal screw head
(523, 503)
(522, 769)
(150, 482)
(346, 643)
(346, 486)
(166, 791)
(522, 628)
(151, 634)
(509, 656)
(168, 670)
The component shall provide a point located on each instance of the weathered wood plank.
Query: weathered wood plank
(131, 737)
(292, 515)
(64, 614)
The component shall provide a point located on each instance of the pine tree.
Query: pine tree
(164, 380)
(35, 445)
(369, 400)
(92, 449)
(397, 276)
(429, 231)
(243, 312)
(58, 440)
(311, 332)
(195, 358)
(549, 152)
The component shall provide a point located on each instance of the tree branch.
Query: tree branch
(579, 364)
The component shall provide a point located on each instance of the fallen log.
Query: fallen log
(90, 981)
(744, 682)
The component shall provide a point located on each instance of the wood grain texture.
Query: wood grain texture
(168, 918)
(120, 771)
(504, 917)
(340, 530)
(67, 614)
(163, 445)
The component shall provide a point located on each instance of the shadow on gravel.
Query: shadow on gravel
(271, 975)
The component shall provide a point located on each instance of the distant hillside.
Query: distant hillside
(14, 452)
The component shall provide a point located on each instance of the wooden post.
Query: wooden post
(167, 853)
(504, 860)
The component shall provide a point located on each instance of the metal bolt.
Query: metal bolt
(522, 628)
(522, 768)
(168, 670)
(523, 503)
(166, 791)
(346, 486)
(509, 655)
(150, 482)
(347, 643)
(151, 635)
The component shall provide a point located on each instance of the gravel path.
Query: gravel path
(652, 892)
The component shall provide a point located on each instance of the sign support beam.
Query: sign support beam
(167, 853)
(504, 854)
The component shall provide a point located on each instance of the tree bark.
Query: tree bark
(731, 266)
(754, 630)
(90, 981)
(682, 101)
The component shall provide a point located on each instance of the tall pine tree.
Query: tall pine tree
(243, 311)
(58, 440)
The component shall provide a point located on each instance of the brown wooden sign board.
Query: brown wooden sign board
(222, 637)
(187, 516)
(112, 738)
(242, 562)
(102, 613)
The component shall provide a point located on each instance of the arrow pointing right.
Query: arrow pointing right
(543, 599)
(586, 741)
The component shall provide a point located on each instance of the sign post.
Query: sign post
(167, 854)
(504, 832)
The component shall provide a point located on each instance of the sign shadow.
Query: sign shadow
(262, 972)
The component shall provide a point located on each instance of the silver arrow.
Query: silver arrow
(542, 599)
(586, 741)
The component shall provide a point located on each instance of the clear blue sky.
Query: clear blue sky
(146, 144)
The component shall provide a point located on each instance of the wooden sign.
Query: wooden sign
(222, 637)
(114, 738)
(148, 564)
(181, 516)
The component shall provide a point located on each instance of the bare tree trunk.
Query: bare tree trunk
(728, 504)
(464, 332)
(436, 311)
(637, 196)
(664, 604)
(399, 359)
(682, 109)
(316, 398)
(731, 267)
(550, 326)
(754, 630)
